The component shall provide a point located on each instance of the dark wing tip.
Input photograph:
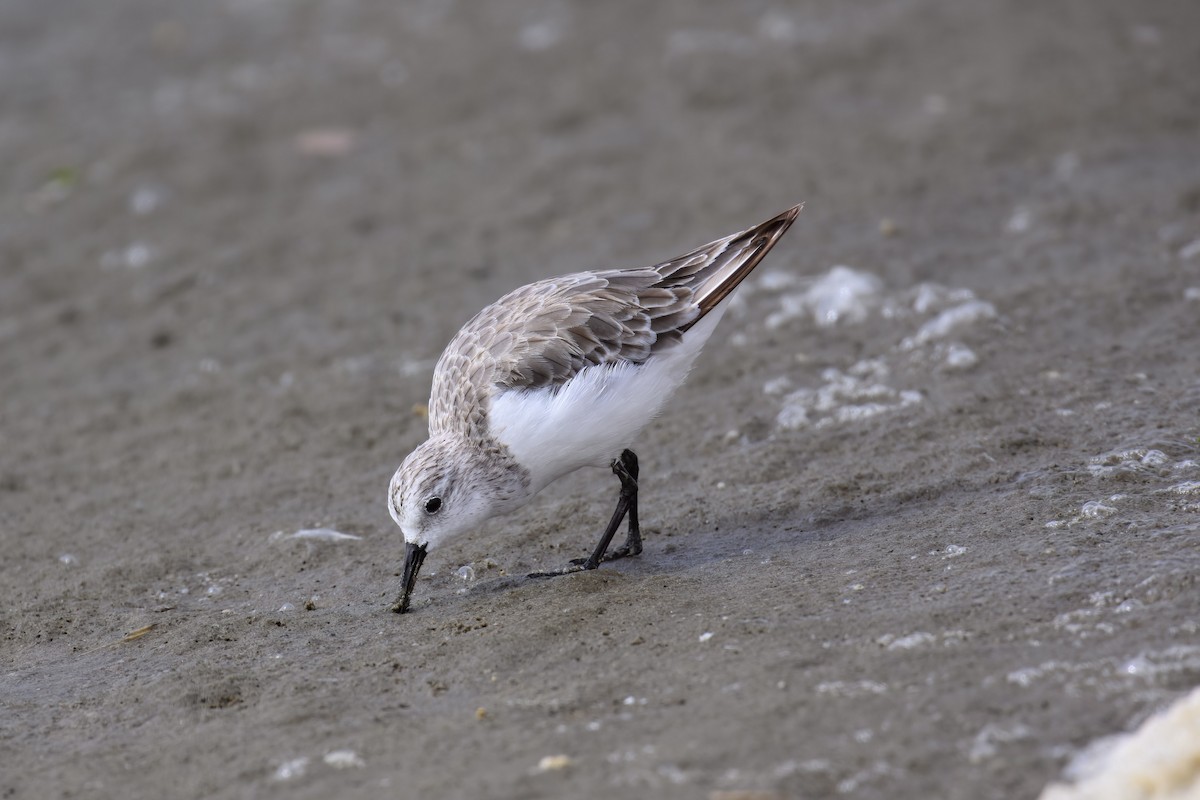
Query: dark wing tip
(743, 252)
(770, 231)
(786, 218)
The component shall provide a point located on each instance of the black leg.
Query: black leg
(626, 469)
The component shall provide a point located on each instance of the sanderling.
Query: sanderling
(557, 375)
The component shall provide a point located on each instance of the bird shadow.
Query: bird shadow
(674, 552)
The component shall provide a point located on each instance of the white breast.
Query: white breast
(596, 415)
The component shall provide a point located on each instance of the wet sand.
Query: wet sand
(931, 545)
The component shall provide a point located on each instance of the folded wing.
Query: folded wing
(543, 334)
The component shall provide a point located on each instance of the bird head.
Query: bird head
(445, 487)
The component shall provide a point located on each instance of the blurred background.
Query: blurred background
(398, 149)
(236, 234)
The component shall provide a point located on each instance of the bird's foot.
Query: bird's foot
(626, 468)
(631, 547)
(567, 570)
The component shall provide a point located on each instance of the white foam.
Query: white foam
(777, 385)
(984, 746)
(291, 769)
(878, 769)
(845, 397)
(791, 306)
(792, 416)
(843, 294)
(1155, 458)
(1107, 674)
(1158, 761)
(840, 295)
(775, 280)
(1026, 676)
(863, 391)
(960, 356)
(1095, 509)
(907, 642)
(1135, 459)
(1083, 623)
(940, 326)
(928, 297)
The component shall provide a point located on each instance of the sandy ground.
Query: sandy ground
(931, 548)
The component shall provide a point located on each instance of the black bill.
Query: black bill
(414, 557)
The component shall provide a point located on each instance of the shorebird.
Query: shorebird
(561, 374)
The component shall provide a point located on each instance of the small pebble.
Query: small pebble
(322, 535)
(551, 763)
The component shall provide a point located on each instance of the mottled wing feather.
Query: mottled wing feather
(543, 334)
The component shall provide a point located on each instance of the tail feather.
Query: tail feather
(716, 269)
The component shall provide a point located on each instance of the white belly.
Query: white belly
(596, 415)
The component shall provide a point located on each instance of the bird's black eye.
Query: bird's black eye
(432, 505)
